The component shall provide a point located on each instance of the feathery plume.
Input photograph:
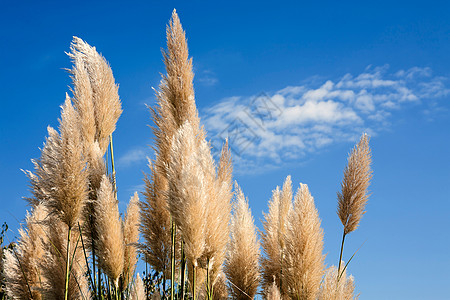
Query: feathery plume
(95, 91)
(241, 266)
(332, 289)
(68, 187)
(22, 270)
(53, 265)
(303, 260)
(188, 189)
(285, 208)
(131, 238)
(275, 226)
(155, 222)
(354, 195)
(219, 211)
(138, 290)
(271, 261)
(273, 293)
(176, 104)
(109, 247)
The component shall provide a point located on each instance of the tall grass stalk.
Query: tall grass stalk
(66, 290)
(354, 193)
(172, 269)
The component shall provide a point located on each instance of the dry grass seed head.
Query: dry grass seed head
(354, 194)
(271, 261)
(303, 259)
(331, 289)
(22, 267)
(110, 247)
(53, 265)
(188, 189)
(241, 265)
(130, 238)
(105, 98)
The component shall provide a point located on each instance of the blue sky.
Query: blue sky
(331, 70)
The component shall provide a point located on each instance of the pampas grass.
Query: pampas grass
(354, 189)
(218, 214)
(241, 266)
(110, 247)
(333, 289)
(354, 195)
(275, 226)
(138, 290)
(56, 283)
(303, 260)
(188, 192)
(273, 293)
(130, 238)
(95, 91)
(21, 269)
(184, 217)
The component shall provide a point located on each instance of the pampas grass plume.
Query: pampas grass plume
(110, 247)
(131, 238)
(303, 260)
(241, 266)
(354, 195)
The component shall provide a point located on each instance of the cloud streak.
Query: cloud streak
(269, 129)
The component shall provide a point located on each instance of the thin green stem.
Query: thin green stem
(112, 165)
(172, 258)
(183, 270)
(99, 282)
(86, 258)
(340, 255)
(193, 282)
(66, 289)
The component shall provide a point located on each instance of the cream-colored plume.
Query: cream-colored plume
(189, 186)
(273, 293)
(110, 246)
(176, 104)
(22, 269)
(332, 289)
(275, 226)
(68, 180)
(241, 266)
(130, 238)
(354, 194)
(96, 93)
(303, 261)
(137, 289)
(218, 211)
(53, 265)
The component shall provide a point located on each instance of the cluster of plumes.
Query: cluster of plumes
(293, 244)
(184, 186)
(187, 198)
(71, 192)
(333, 288)
(242, 261)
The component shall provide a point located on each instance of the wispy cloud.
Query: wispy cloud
(207, 78)
(268, 129)
(132, 156)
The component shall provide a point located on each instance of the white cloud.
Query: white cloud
(131, 157)
(266, 130)
(207, 77)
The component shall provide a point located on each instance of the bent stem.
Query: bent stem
(340, 256)
(66, 289)
(112, 165)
